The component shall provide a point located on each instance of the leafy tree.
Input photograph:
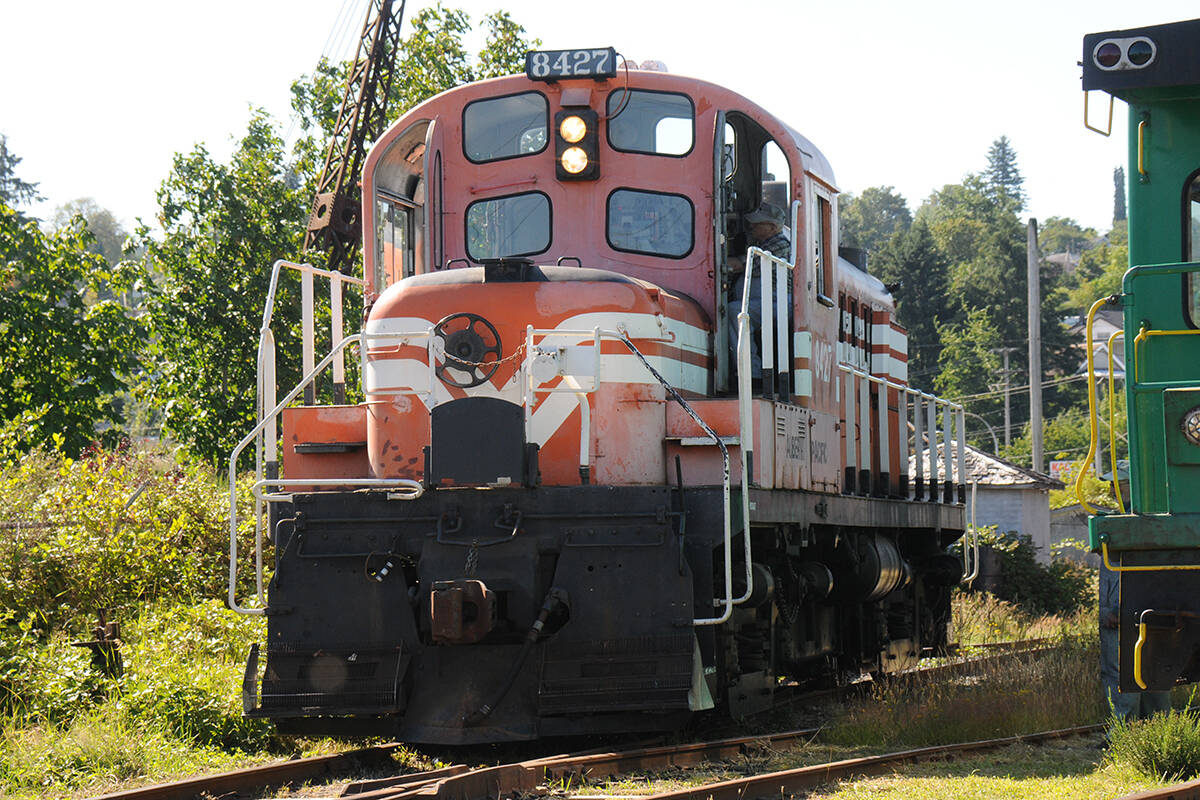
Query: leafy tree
(431, 60)
(225, 224)
(1064, 436)
(1064, 235)
(976, 226)
(108, 235)
(872, 218)
(1098, 275)
(62, 357)
(915, 271)
(969, 362)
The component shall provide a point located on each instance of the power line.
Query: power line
(1055, 382)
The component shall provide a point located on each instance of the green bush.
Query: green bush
(199, 706)
(1061, 587)
(1165, 746)
(115, 531)
(65, 725)
(146, 539)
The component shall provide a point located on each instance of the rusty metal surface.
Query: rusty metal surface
(524, 777)
(612, 764)
(1178, 791)
(776, 784)
(256, 778)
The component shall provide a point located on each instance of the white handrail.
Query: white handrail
(973, 535)
(399, 483)
(924, 423)
(597, 334)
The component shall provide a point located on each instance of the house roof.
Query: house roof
(992, 471)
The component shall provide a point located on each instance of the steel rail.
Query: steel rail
(777, 784)
(460, 782)
(1178, 791)
(257, 778)
(524, 777)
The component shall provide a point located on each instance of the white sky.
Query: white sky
(96, 97)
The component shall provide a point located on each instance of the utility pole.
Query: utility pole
(1006, 352)
(1035, 344)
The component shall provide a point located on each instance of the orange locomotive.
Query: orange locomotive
(635, 440)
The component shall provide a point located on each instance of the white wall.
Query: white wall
(1025, 510)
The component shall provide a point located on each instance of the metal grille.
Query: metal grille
(333, 680)
(642, 673)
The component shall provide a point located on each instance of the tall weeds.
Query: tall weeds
(1032, 692)
(1165, 746)
(147, 540)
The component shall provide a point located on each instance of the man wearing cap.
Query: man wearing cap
(764, 227)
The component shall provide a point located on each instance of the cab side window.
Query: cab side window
(1192, 241)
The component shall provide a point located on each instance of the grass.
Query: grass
(1065, 770)
(1166, 746)
(67, 732)
(1033, 692)
(1074, 769)
(981, 618)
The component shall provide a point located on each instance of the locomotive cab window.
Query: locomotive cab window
(1192, 283)
(505, 127)
(654, 223)
(397, 246)
(516, 225)
(658, 123)
(396, 225)
(823, 254)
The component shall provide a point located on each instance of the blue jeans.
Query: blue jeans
(1127, 705)
(754, 310)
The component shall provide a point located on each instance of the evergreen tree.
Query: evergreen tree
(14, 192)
(915, 272)
(1002, 177)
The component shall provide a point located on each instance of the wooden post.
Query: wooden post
(1035, 345)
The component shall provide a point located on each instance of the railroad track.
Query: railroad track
(1179, 791)
(535, 776)
(460, 782)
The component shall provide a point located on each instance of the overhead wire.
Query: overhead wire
(337, 43)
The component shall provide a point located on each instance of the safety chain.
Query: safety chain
(472, 559)
(489, 364)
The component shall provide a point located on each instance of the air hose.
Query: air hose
(554, 598)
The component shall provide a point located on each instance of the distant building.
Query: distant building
(1106, 322)
(1069, 534)
(1011, 497)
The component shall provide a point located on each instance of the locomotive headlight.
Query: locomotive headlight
(1191, 426)
(576, 144)
(574, 160)
(573, 129)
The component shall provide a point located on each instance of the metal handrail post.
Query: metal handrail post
(233, 459)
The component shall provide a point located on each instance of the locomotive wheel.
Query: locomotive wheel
(468, 340)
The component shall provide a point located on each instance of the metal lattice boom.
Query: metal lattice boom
(334, 224)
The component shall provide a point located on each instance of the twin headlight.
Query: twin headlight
(576, 145)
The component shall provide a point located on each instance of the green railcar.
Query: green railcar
(1154, 542)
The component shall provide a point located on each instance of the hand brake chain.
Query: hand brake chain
(454, 362)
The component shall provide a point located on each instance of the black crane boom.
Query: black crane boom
(335, 224)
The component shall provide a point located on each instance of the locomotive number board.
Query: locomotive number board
(550, 65)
